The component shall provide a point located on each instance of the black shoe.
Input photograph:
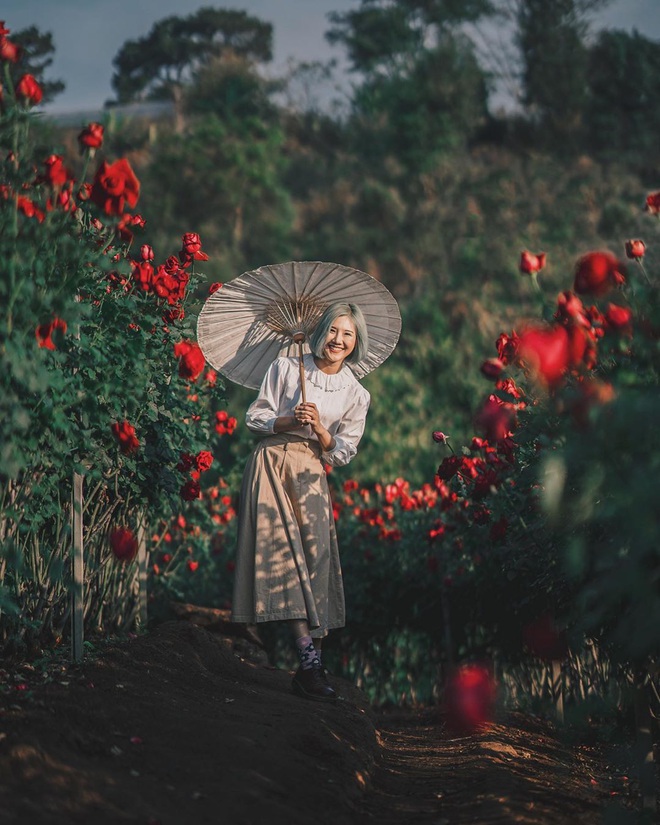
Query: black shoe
(312, 684)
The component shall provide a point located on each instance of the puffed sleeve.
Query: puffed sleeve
(349, 432)
(262, 412)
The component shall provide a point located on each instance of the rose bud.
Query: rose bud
(492, 368)
(530, 263)
(635, 249)
(439, 437)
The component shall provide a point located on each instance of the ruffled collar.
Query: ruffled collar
(326, 381)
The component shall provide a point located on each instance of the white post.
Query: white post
(77, 593)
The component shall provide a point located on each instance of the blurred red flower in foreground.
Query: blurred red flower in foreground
(125, 435)
(469, 700)
(44, 332)
(191, 359)
(496, 419)
(596, 273)
(530, 263)
(115, 186)
(543, 639)
(124, 544)
(545, 353)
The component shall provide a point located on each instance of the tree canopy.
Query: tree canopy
(156, 65)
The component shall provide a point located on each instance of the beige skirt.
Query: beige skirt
(287, 558)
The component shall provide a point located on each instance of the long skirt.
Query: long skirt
(287, 558)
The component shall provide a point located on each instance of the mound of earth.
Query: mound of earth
(178, 726)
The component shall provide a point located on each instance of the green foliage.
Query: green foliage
(224, 178)
(83, 348)
(624, 80)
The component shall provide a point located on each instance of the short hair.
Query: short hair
(318, 337)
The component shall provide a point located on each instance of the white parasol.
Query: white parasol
(268, 312)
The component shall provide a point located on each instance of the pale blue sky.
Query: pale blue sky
(88, 33)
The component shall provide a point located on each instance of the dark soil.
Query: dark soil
(178, 726)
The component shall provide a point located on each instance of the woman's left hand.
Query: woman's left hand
(308, 414)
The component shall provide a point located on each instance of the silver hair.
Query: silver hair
(318, 337)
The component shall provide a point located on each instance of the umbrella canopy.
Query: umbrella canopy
(267, 312)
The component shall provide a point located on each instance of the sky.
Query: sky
(87, 34)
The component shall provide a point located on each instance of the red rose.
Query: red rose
(124, 544)
(146, 252)
(191, 249)
(440, 438)
(204, 460)
(496, 419)
(115, 186)
(618, 319)
(449, 467)
(635, 249)
(143, 275)
(545, 352)
(91, 136)
(191, 490)
(506, 347)
(214, 287)
(29, 90)
(596, 273)
(56, 173)
(225, 424)
(44, 332)
(653, 203)
(9, 51)
(29, 209)
(192, 565)
(125, 435)
(530, 263)
(191, 359)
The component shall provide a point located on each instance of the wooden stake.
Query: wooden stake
(78, 571)
(558, 689)
(142, 573)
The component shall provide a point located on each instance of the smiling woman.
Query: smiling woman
(288, 566)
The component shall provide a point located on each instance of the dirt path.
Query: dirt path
(515, 771)
(174, 728)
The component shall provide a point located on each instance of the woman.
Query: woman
(287, 565)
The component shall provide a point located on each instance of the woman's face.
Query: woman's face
(340, 340)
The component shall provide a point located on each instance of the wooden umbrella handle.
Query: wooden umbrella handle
(299, 340)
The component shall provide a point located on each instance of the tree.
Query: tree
(423, 91)
(383, 36)
(158, 65)
(37, 55)
(223, 176)
(551, 38)
(623, 75)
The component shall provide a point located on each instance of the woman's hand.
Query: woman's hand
(308, 414)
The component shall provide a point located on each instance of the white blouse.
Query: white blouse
(341, 400)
